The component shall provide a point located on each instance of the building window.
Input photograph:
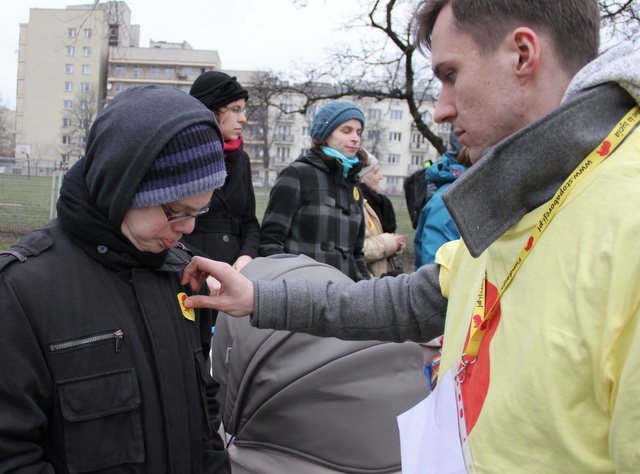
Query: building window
(119, 86)
(85, 86)
(66, 140)
(311, 110)
(84, 105)
(417, 159)
(305, 131)
(375, 114)
(120, 68)
(155, 70)
(64, 158)
(66, 104)
(373, 134)
(169, 71)
(66, 122)
(393, 159)
(417, 137)
(394, 182)
(88, 32)
(395, 114)
(70, 50)
(284, 133)
(395, 136)
(137, 71)
(86, 69)
(81, 141)
(68, 68)
(283, 153)
(68, 86)
(86, 50)
(71, 32)
(113, 35)
(186, 71)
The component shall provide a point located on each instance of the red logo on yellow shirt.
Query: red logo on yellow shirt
(605, 148)
(188, 313)
(370, 224)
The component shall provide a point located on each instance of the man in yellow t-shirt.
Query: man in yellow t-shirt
(541, 291)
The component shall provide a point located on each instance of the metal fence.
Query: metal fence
(28, 193)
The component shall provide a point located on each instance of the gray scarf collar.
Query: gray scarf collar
(524, 170)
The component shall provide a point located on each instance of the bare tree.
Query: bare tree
(269, 111)
(387, 65)
(77, 121)
(7, 130)
(620, 18)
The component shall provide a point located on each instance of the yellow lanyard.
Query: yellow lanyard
(481, 317)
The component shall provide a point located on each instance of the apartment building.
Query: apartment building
(163, 63)
(72, 61)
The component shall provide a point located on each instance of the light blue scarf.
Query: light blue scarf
(347, 163)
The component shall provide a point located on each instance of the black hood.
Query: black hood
(123, 142)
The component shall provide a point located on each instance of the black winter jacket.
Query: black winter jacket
(101, 370)
(314, 211)
(230, 228)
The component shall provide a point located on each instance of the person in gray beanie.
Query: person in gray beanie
(229, 231)
(105, 369)
(315, 207)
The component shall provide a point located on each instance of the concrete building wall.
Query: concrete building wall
(61, 53)
(168, 64)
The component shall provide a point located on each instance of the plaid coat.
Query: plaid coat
(313, 210)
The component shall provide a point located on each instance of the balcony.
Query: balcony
(283, 138)
(419, 146)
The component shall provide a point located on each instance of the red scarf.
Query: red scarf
(233, 145)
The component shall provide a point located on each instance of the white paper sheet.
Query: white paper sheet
(429, 436)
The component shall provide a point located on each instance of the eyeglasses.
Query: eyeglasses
(174, 217)
(237, 110)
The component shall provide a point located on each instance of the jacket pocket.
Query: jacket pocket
(102, 426)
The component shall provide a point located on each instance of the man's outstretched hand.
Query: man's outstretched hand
(231, 292)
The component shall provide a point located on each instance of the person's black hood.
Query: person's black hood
(127, 136)
(123, 142)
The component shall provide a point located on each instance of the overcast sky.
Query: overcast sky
(248, 34)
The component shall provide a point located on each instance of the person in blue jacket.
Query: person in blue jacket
(435, 225)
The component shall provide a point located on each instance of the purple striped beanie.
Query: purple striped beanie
(191, 163)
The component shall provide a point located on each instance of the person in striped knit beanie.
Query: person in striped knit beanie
(108, 369)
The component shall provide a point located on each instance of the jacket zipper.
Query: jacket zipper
(116, 335)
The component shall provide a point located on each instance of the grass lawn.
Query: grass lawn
(25, 205)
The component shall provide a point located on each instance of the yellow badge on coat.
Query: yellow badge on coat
(356, 193)
(188, 313)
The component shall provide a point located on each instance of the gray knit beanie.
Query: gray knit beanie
(191, 163)
(330, 116)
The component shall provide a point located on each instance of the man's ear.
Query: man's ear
(527, 45)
